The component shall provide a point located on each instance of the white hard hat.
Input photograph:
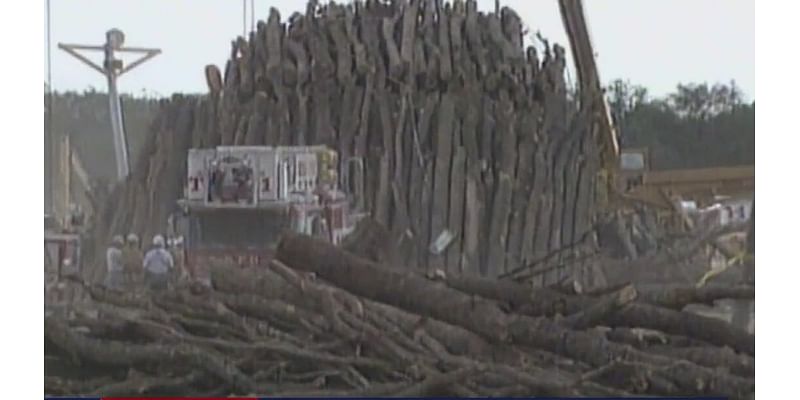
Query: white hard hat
(132, 238)
(117, 239)
(158, 240)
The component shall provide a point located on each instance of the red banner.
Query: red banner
(179, 398)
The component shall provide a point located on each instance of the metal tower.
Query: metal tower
(112, 69)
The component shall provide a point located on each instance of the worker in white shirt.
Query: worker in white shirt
(158, 264)
(114, 265)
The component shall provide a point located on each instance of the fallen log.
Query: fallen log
(548, 302)
(130, 355)
(600, 311)
(712, 357)
(678, 297)
(151, 386)
(407, 291)
(707, 329)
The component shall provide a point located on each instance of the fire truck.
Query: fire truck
(239, 200)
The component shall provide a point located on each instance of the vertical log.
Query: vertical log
(522, 185)
(498, 228)
(487, 133)
(457, 48)
(409, 36)
(392, 53)
(455, 220)
(343, 52)
(441, 188)
(445, 62)
(420, 182)
(400, 221)
(427, 211)
(274, 33)
(256, 122)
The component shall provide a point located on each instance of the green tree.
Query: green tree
(698, 125)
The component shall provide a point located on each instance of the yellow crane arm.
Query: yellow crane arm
(590, 87)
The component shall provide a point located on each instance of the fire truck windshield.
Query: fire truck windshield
(237, 229)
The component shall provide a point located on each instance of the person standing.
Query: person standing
(114, 266)
(132, 259)
(158, 263)
(181, 272)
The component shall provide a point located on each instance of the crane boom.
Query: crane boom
(590, 87)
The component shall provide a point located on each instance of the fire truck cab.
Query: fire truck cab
(239, 200)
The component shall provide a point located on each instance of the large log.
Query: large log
(419, 295)
(126, 355)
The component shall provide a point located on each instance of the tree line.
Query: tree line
(85, 118)
(697, 125)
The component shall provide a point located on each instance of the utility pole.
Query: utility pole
(112, 69)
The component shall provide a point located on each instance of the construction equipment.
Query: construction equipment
(662, 188)
(62, 249)
(74, 197)
(626, 177)
(666, 190)
(239, 200)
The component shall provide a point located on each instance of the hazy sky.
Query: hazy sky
(654, 43)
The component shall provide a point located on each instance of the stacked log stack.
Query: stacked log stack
(462, 130)
(460, 127)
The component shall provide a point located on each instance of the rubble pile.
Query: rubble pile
(463, 130)
(322, 321)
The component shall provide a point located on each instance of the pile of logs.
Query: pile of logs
(320, 321)
(462, 128)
